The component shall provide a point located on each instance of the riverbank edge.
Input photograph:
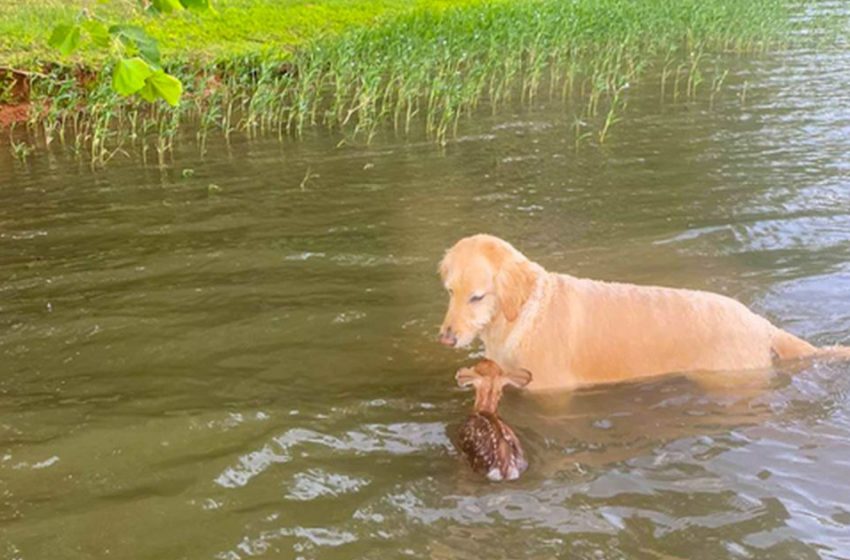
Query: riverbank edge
(367, 74)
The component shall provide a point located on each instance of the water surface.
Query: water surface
(236, 357)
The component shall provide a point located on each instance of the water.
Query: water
(237, 358)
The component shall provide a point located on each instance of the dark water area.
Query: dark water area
(236, 357)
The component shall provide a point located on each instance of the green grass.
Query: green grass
(237, 28)
(276, 67)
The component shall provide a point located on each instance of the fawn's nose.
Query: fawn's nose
(448, 337)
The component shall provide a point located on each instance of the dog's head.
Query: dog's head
(488, 379)
(485, 277)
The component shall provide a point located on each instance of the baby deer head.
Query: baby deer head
(489, 379)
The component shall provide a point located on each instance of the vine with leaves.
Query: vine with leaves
(137, 65)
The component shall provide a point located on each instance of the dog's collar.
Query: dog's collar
(529, 310)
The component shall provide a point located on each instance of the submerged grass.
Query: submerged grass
(411, 63)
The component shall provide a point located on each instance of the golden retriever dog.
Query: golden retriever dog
(573, 332)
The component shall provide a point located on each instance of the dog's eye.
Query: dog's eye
(476, 298)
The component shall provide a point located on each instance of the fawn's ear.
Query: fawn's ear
(466, 377)
(519, 378)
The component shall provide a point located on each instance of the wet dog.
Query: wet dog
(573, 332)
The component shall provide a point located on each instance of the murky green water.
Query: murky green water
(241, 362)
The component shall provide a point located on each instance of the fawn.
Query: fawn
(491, 446)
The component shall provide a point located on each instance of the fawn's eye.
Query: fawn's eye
(476, 298)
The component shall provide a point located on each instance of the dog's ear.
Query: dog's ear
(466, 377)
(519, 378)
(514, 284)
(444, 266)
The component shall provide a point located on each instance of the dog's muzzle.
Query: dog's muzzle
(448, 338)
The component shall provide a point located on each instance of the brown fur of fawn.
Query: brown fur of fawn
(490, 446)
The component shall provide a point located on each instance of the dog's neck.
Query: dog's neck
(501, 336)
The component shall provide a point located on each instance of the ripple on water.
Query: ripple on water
(400, 438)
(305, 539)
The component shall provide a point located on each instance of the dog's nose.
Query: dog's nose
(448, 338)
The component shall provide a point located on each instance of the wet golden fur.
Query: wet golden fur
(574, 332)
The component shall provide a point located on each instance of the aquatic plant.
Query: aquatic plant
(20, 150)
(429, 66)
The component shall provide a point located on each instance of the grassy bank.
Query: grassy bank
(263, 66)
(236, 28)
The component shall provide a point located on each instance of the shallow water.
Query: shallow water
(235, 357)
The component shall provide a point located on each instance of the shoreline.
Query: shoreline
(431, 61)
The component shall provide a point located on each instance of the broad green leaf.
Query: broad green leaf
(166, 6)
(198, 5)
(129, 75)
(65, 37)
(147, 93)
(98, 32)
(165, 86)
(135, 37)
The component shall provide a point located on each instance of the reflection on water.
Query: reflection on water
(250, 369)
